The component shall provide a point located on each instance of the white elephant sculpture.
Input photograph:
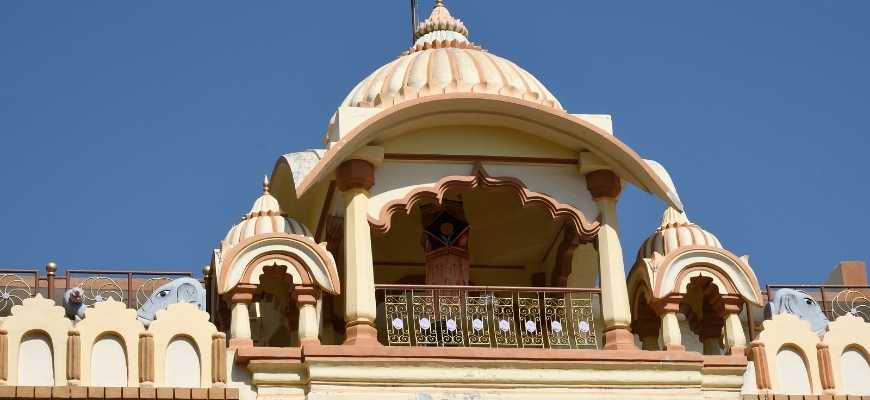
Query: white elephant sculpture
(181, 290)
(801, 304)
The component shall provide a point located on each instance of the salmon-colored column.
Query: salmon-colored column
(735, 339)
(354, 178)
(306, 300)
(667, 308)
(605, 187)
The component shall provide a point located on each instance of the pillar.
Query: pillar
(672, 336)
(735, 338)
(309, 326)
(240, 318)
(605, 187)
(354, 178)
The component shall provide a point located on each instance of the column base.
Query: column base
(619, 338)
(361, 333)
(309, 342)
(237, 342)
(675, 347)
(738, 350)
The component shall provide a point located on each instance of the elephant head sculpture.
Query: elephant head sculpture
(801, 304)
(181, 290)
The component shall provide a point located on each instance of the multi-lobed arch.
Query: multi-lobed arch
(307, 261)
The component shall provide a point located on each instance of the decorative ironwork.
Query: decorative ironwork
(96, 289)
(851, 302)
(147, 288)
(13, 289)
(419, 315)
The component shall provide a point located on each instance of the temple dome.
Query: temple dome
(441, 61)
(264, 218)
(676, 232)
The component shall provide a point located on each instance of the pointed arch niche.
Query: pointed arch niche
(516, 236)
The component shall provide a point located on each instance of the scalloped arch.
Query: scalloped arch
(481, 179)
(732, 272)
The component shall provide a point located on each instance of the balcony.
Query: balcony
(489, 316)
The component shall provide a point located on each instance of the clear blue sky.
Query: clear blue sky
(135, 133)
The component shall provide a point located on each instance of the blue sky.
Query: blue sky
(134, 134)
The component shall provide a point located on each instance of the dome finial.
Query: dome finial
(265, 184)
(440, 26)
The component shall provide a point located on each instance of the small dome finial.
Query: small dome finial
(671, 216)
(439, 3)
(440, 26)
(265, 184)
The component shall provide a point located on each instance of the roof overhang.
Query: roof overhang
(493, 110)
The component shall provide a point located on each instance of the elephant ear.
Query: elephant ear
(186, 293)
(789, 303)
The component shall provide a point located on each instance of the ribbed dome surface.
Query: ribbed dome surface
(442, 61)
(676, 232)
(447, 70)
(265, 217)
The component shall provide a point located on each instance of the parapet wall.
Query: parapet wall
(39, 346)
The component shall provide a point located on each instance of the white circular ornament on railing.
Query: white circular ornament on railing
(451, 325)
(4, 295)
(477, 324)
(556, 326)
(504, 325)
(531, 326)
(99, 298)
(425, 324)
(583, 326)
(398, 324)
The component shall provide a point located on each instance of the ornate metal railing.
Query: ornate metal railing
(835, 300)
(488, 316)
(131, 287)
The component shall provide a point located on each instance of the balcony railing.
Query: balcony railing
(835, 300)
(130, 287)
(489, 316)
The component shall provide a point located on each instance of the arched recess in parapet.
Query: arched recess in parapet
(486, 110)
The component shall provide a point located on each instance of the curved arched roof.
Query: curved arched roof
(492, 110)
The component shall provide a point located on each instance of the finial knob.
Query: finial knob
(265, 184)
(206, 271)
(439, 3)
(51, 267)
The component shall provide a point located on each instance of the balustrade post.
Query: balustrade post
(735, 338)
(146, 359)
(240, 319)
(605, 187)
(50, 271)
(218, 359)
(73, 358)
(4, 357)
(306, 301)
(667, 308)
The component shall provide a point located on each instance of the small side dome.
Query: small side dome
(674, 233)
(265, 217)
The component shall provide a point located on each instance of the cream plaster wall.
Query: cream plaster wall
(182, 367)
(35, 361)
(114, 319)
(108, 362)
(182, 320)
(847, 333)
(476, 140)
(41, 316)
(854, 372)
(791, 372)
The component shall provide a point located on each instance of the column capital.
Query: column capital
(306, 295)
(355, 174)
(603, 184)
(669, 304)
(732, 303)
(242, 293)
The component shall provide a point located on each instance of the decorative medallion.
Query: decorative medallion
(425, 324)
(451, 325)
(398, 324)
(531, 326)
(556, 326)
(504, 325)
(477, 324)
(583, 326)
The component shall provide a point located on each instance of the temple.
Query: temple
(457, 237)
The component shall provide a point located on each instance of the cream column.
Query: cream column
(354, 178)
(672, 337)
(240, 319)
(605, 187)
(309, 326)
(735, 338)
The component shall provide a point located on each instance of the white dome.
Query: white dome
(265, 217)
(674, 233)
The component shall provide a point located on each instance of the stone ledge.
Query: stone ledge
(115, 393)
